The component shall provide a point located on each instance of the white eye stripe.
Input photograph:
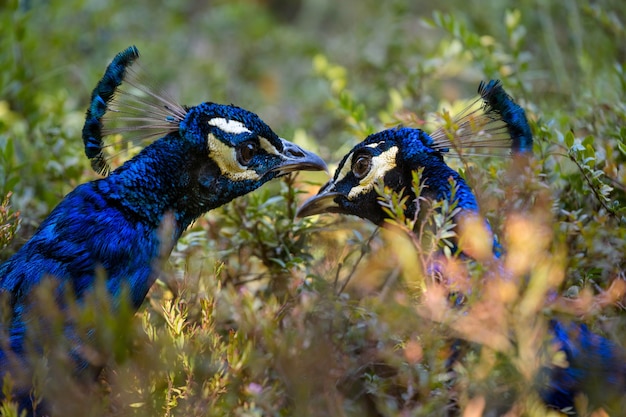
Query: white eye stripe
(347, 167)
(267, 146)
(226, 159)
(345, 170)
(229, 126)
(381, 164)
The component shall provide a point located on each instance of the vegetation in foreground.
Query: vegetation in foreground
(259, 313)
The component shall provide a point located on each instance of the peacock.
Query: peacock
(124, 225)
(392, 155)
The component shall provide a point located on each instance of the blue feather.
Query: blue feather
(498, 104)
(498, 122)
(492, 124)
(594, 366)
(100, 98)
(126, 223)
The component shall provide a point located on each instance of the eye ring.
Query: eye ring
(246, 151)
(361, 165)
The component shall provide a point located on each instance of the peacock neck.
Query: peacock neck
(463, 195)
(438, 187)
(156, 183)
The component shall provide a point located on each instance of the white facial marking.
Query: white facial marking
(226, 159)
(268, 147)
(381, 164)
(345, 169)
(229, 126)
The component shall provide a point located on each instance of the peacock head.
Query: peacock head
(218, 152)
(242, 151)
(386, 158)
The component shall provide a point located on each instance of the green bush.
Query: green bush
(258, 313)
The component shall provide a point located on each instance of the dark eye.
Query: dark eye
(362, 165)
(246, 151)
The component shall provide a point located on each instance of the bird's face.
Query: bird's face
(242, 151)
(381, 157)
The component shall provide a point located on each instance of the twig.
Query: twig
(356, 264)
(595, 192)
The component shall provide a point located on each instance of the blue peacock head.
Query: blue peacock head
(228, 150)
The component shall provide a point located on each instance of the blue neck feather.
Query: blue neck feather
(418, 153)
(142, 188)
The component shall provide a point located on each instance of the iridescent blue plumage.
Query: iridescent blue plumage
(380, 149)
(125, 224)
(493, 121)
(499, 104)
(594, 366)
(100, 98)
(391, 155)
(492, 124)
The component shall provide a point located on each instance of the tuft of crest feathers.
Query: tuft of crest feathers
(492, 124)
(132, 108)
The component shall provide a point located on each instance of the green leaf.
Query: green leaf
(569, 139)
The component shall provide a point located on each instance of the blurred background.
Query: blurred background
(261, 314)
(261, 55)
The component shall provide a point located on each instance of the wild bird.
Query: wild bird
(390, 156)
(124, 224)
(393, 154)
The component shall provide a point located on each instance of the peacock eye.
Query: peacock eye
(246, 151)
(361, 166)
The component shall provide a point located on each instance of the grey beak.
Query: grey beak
(323, 202)
(298, 159)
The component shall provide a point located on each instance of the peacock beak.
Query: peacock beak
(298, 159)
(324, 202)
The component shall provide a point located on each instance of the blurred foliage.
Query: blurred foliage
(260, 314)
(9, 221)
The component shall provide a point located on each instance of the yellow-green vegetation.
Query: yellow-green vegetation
(261, 314)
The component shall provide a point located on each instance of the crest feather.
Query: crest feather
(492, 124)
(121, 104)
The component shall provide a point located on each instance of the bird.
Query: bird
(393, 154)
(125, 223)
(595, 366)
(390, 156)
